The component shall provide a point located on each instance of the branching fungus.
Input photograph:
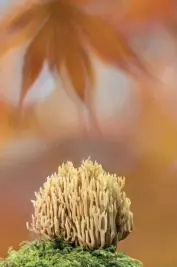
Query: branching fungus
(86, 206)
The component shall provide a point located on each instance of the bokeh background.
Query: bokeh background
(134, 132)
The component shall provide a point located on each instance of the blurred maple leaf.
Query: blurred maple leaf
(64, 35)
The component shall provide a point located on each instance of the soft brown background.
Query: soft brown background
(139, 127)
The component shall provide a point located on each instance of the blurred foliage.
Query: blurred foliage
(64, 35)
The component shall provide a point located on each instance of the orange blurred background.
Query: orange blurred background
(134, 134)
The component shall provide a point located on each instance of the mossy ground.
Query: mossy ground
(61, 254)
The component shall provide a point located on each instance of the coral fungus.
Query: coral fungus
(85, 206)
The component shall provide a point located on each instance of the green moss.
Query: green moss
(62, 254)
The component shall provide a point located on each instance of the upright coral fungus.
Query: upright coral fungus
(85, 206)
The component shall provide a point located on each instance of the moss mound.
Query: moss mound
(61, 254)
